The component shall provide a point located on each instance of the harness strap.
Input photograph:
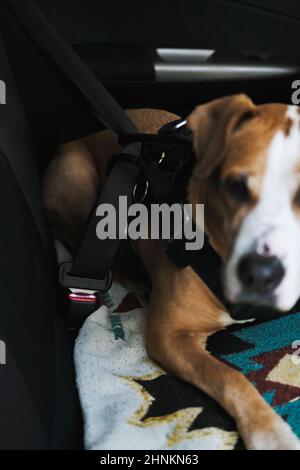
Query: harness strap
(90, 273)
(94, 258)
(162, 188)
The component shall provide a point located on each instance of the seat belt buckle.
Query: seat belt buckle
(71, 281)
(81, 289)
(83, 294)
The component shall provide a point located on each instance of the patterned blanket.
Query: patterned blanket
(130, 403)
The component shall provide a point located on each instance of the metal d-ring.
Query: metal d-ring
(145, 192)
(163, 156)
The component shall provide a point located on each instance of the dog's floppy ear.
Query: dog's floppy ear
(213, 124)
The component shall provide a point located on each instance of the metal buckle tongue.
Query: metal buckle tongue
(83, 297)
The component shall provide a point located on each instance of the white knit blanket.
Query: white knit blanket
(115, 404)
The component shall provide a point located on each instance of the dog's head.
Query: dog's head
(247, 174)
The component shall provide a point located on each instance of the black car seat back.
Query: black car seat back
(39, 405)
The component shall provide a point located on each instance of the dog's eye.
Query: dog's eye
(297, 198)
(237, 188)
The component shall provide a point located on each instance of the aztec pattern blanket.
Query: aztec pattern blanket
(129, 402)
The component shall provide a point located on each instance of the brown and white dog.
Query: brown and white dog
(247, 174)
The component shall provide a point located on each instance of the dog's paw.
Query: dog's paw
(279, 437)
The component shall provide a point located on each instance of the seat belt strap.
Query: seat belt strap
(91, 268)
(94, 258)
(49, 40)
(90, 274)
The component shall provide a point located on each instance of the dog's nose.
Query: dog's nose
(260, 274)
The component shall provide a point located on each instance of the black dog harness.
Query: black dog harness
(158, 168)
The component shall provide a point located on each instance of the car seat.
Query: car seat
(39, 405)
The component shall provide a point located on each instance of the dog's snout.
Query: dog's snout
(260, 274)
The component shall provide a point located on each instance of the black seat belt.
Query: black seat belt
(91, 269)
(49, 40)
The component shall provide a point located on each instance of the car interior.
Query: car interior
(170, 55)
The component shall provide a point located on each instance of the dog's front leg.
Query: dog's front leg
(181, 351)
